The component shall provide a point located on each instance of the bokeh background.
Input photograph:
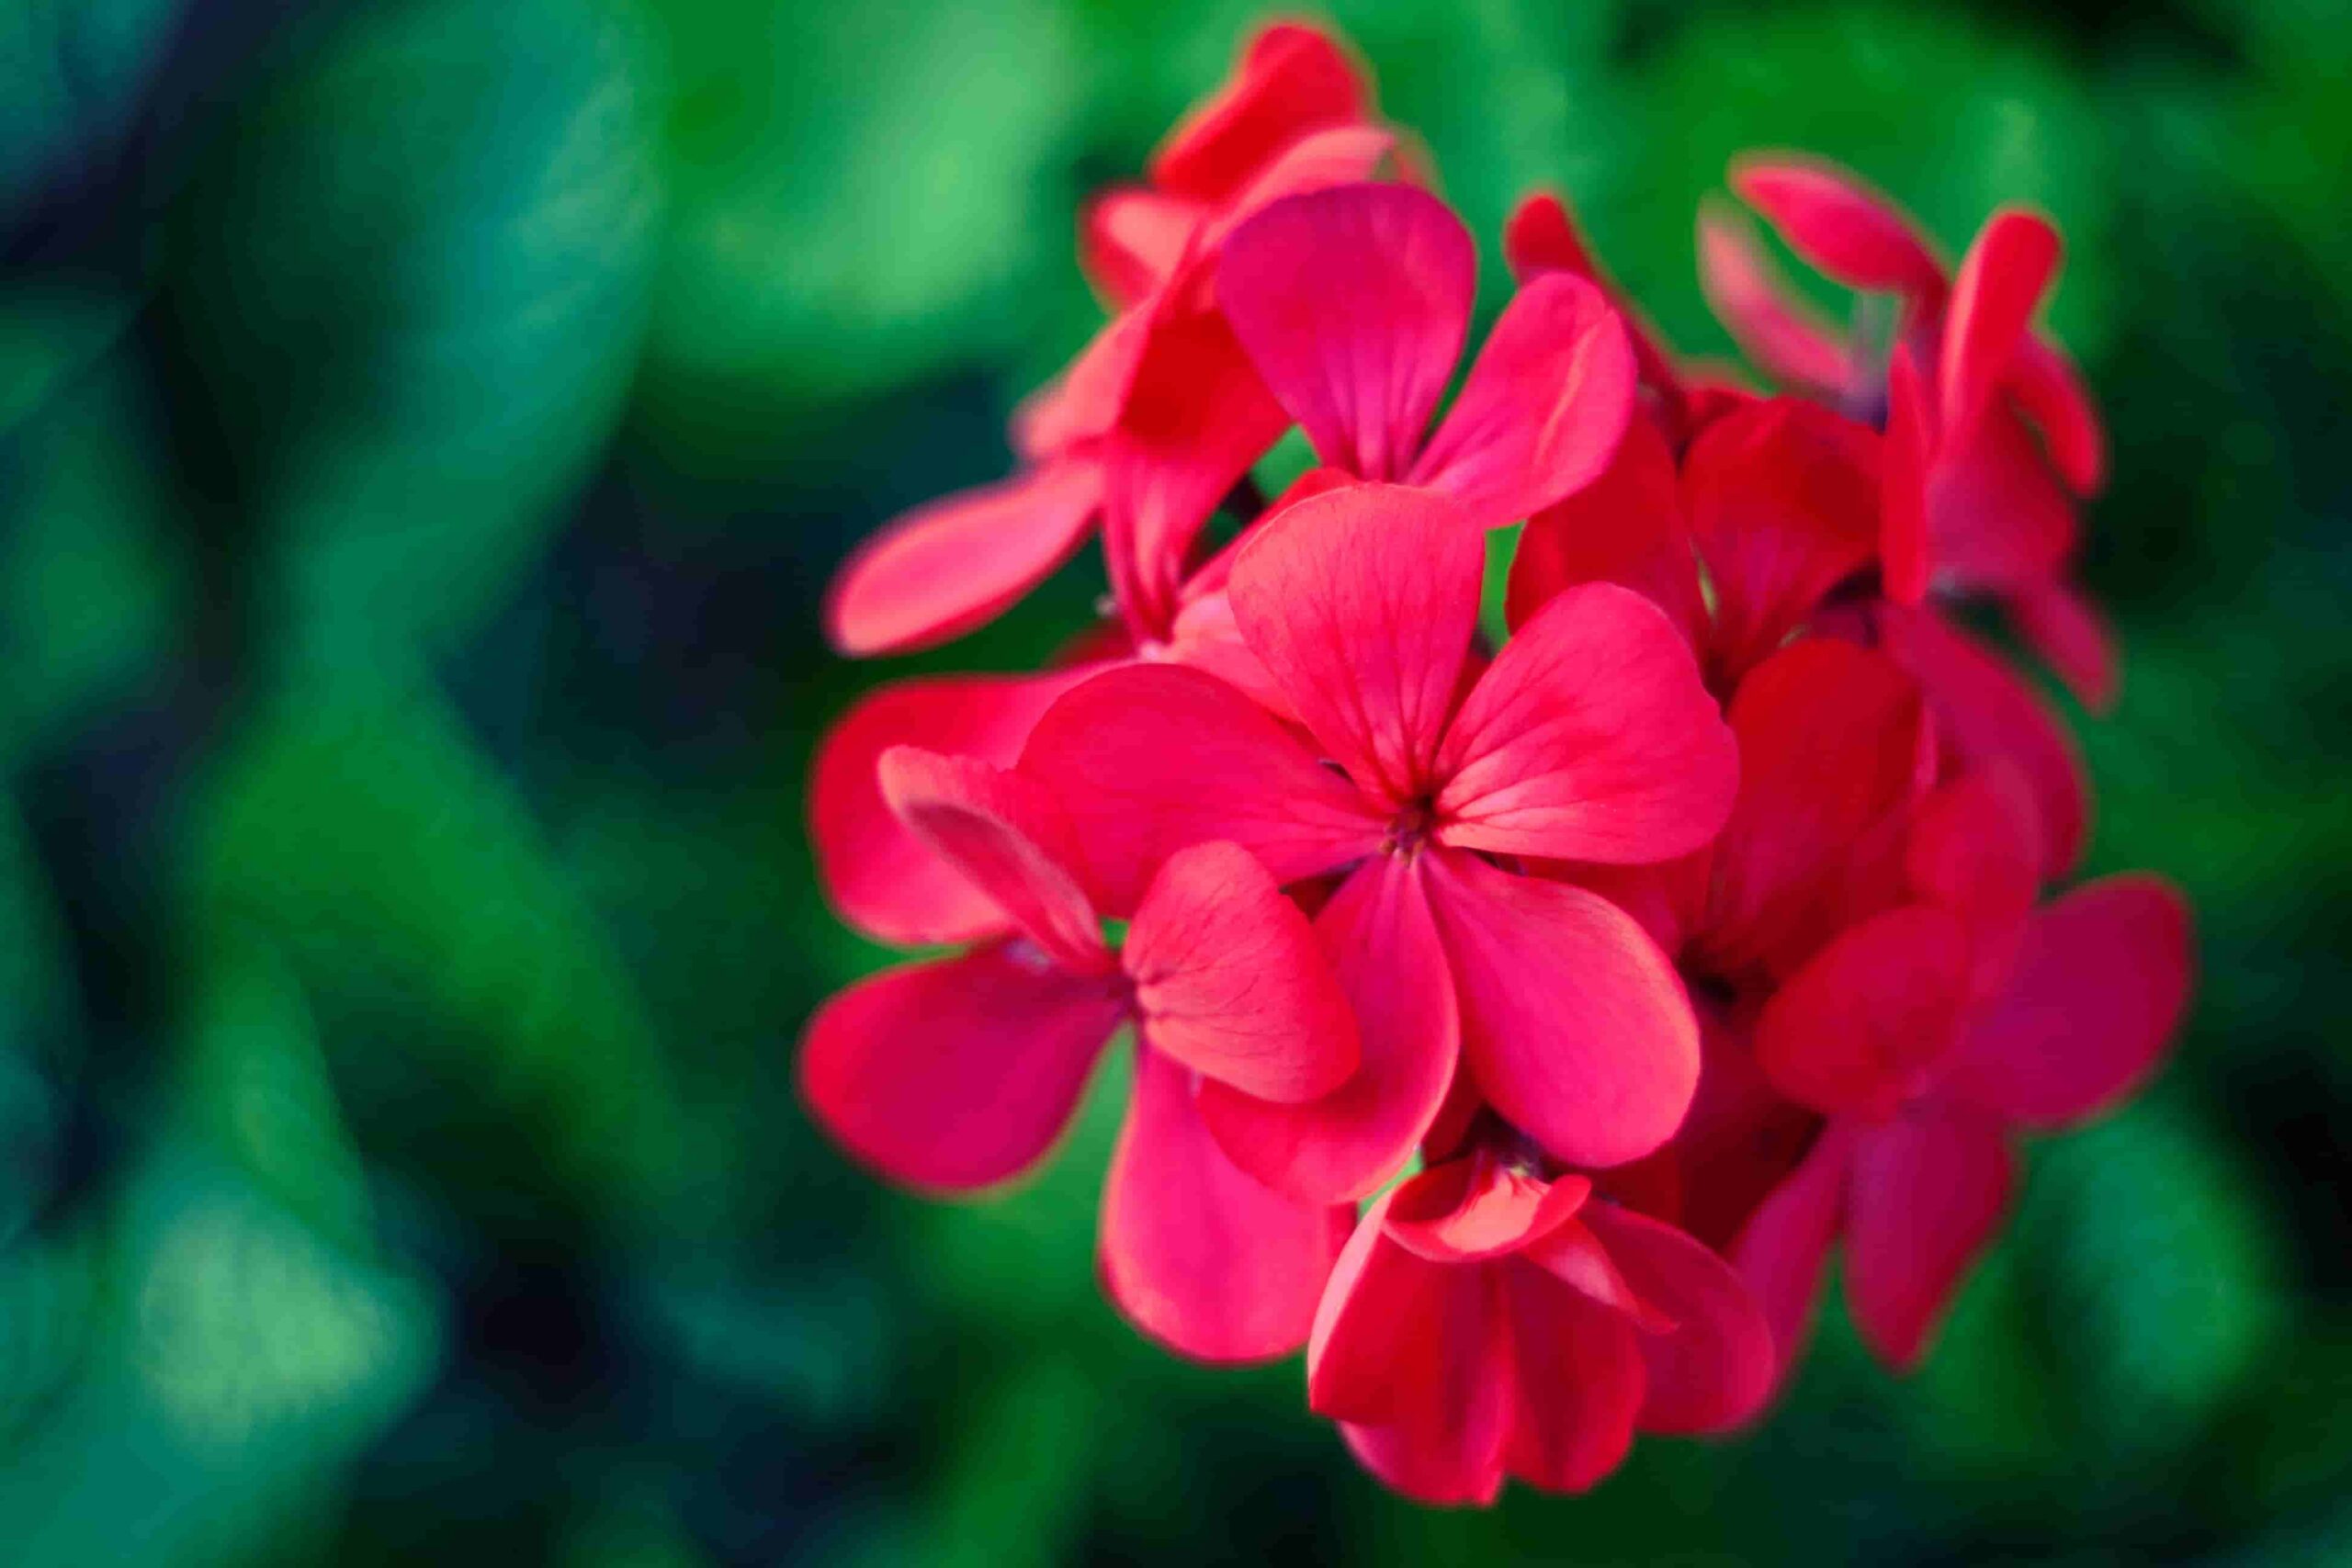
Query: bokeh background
(427, 427)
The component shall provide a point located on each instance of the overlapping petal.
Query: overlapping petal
(1860, 1026)
(1625, 527)
(1927, 1194)
(1839, 224)
(1713, 1366)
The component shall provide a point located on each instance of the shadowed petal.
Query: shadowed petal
(2049, 391)
(1862, 1024)
(2053, 619)
(879, 877)
(2101, 979)
(1905, 553)
(1783, 1251)
(1354, 303)
(1625, 527)
(1578, 1378)
(1589, 737)
(1713, 1366)
(956, 1073)
(1928, 1193)
(1572, 1019)
(1195, 1254)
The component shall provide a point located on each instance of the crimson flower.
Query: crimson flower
(1418, 781)
(957, 1073)
(1484, 1321)
(1989, 1015)
(1354, 303)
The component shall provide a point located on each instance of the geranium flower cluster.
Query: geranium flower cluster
(1518, 1028)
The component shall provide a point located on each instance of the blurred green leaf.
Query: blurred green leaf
(445, 954)
(71, 71)
(413, 280)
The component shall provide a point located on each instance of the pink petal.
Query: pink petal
(1625, 527)
(1839, 224)
(1783, 503)
(1341, 155)
(1291, 79)
(1466, 1211)
(956, 1073)
(1206, 637)
(1830, 736)
(2057, 620)
(1384, 949)
(1361, 602)
(1540, 237)
(1544, 406)
(878, 874)
(1084, 402)
(1928, 1193)
(1009, 836)
(1860, 1026)
(1572, 1019)
(1195, 1254)
(1997, 515)
(2002, 279)
(1715, 1367)
(2048, 389)
(1131, 238)
(2101, 981)
(1905, 564)
(1195, 418)
(1575, 1255)
(1589, 737)
(958, 563)
(1782, 1253)
(1986, 713)
(1151, 759)
(1230, 982)
(1771, 323)
(1354, 303)
(1579, 1377)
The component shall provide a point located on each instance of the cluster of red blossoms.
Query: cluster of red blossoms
(1517, 1028)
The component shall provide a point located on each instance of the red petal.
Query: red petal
(1997, 515)
(1782, 500)
(1544, 408)
(1575, 1255)
(1715, 1367)
(1589, 737)
(1206, 637)
(1084, 402)
(1384, 949)
(1540, 237)
(2008, 268)
(1354, 303)
(1361, 602)
(956, 1073)
(1624, 528)
(2053, 619)
(959, 562)
(1230, 982)
(879, 877)
(1195, 1254)
(1858, 1027)
(1771, 323)
(1571, 1018)
(1465, 1211)
(1345, 154)
(1197, 417)
(1577, 1376)
(1927, 1196)
(1839, 224)
(1987, 713)
(2049, 391)
(1130, 238)
(1416, 1353)
(1151, 759)
(1902, 544)
(1973, 847)
(1829, 740)
(2102, 980)
(1783, 1251)
(1741, 1139)
(1291, 79)
(1009, 836)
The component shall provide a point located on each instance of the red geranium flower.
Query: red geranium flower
(1589, 738)
(957, 1073)
(1484, 1322)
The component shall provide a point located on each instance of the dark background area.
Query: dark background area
(427, 428)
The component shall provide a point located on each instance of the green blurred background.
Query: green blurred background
(427, 427)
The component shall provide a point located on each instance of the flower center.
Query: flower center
(1409, 832)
